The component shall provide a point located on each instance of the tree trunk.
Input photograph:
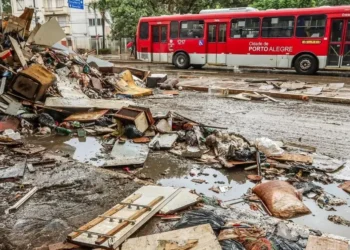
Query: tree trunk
(103, 16)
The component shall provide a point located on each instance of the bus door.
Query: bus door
(216, 45)
(159, 43)
(339, 43)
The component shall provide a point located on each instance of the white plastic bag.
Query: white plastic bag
(268, 147)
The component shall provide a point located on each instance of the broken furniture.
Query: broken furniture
(112, 228)
(154, 79)
(33, 82)
(133, 116)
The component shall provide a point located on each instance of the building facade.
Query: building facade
(79, 25)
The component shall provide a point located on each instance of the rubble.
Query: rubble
(50, 91)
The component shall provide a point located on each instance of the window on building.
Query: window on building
(59, 3)
(20, 4)
(49, 4)
(144, 32)
(174, 30)
(278, 26)
(92, 21)
(62, 20)
(245, 28)
(192, 29)
(311, 26)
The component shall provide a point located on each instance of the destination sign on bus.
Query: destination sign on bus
(265, 47)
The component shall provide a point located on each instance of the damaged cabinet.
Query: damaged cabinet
(33, 82)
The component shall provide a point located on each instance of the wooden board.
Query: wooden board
(148, 194)
(29, 151)
(86, 116)
(182, 201)
(59, 102)
(322, 243)
(345, 186)
(203, 233)
(234, 89)
(289, 157)
(19, 52)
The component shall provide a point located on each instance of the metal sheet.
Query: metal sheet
(51, 27)
(203, 233)
(128, 153)
(59, 102)
(16, 171)
(163, 141)
(147, 194)
(86, 116)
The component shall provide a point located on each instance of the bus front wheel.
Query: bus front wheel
(182, 61)
(306, 64)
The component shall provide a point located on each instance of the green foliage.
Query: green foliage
(6, 5)
(126, 13)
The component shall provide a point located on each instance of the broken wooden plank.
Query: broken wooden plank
(63, 246)
(86, 116)
(183, 200)
(149, 194)
(345, 186)
(98, 220)
(19, 52)
(21, 201)
(323, 243)
(290, 157)
(29, 151)
(203, 234)
(293, 96)
(133, 217)
(59, 102)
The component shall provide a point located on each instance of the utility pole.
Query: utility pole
(35, 17)
(97, 38)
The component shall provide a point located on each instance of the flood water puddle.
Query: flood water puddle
(86, 150)
(169, 170)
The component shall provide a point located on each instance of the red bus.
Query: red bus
(306, 39)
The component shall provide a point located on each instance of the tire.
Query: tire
(197, 66)
(182, 61)
(306, 64)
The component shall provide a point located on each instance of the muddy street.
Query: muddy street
(74, 190)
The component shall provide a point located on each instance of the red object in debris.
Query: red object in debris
(9, 122)
(126, 169)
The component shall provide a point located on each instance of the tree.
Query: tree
(6, 6)
(102, 6)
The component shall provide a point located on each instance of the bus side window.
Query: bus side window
(311, 26)
(245, 28)
(144, 32)
(278, 26)
(191, 29)
(174, 30)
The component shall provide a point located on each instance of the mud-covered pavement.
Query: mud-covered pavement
(74, 191)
